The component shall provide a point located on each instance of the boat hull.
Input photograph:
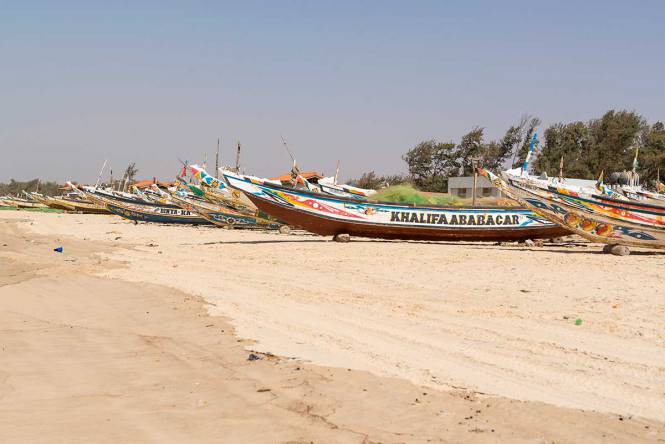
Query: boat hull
(598, 220)
(225, 217)
(163, 215)
(327, 215)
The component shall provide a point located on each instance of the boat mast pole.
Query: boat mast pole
(474, 164)
(238, 158)
(561, 169)
(336, 173)
(100, 173)
(217, 161)
(295, 171)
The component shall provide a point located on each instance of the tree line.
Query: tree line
(583, 149)
(16, 188)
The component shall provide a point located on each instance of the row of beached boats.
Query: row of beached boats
(619, 216)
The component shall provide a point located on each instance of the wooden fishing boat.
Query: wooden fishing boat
(148, 211)
(330, 215)
(21, 203)
(222, 216)
(79, 205)
(52, 203)
(216, 192)
(595, 217)
(7, 202)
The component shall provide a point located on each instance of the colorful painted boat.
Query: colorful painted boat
(148, 211)
(223, 216)
(329, 185)
(328, 215)
(594, 217)
(216, 192)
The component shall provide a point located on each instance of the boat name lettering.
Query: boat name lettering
(175, 212)
(455, 219)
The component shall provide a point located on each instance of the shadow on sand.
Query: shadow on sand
(550, 248)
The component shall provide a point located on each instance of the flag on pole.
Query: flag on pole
(532, 148)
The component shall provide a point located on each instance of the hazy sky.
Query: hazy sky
(358, 81)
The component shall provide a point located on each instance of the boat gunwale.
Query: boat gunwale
(381, 203)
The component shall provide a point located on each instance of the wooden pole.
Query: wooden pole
(238, 158)
(100, 173)
(217, 161)
(474, 165)
(561, 168)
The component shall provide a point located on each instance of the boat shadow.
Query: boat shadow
(549, 248)
(324, 239)
(568, 250)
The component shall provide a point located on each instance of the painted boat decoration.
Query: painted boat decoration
(149, 212)
(330, 215)
(216, 192)
(329, 185)
(596, 218)
(222, 216)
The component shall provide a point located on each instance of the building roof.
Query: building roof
(306, 174)
(148, 183)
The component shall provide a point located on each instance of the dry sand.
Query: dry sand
(125, 337)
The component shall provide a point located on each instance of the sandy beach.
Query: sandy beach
(142, 333)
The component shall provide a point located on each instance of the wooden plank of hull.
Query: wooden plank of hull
(28, 205)
(90, 210)
(49, 203)
(82, 207)
(57, 204)
(147, 216)
(327, 226)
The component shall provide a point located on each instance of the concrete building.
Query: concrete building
(462, 187)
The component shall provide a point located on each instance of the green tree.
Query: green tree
(606, 144)
(568, 141)
(15, 187)
(613, 139)
(430, 163)
(131, 172)
(652, 153)
(372, 181)
(471, 146)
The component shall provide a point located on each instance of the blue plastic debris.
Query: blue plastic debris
(58, 250)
